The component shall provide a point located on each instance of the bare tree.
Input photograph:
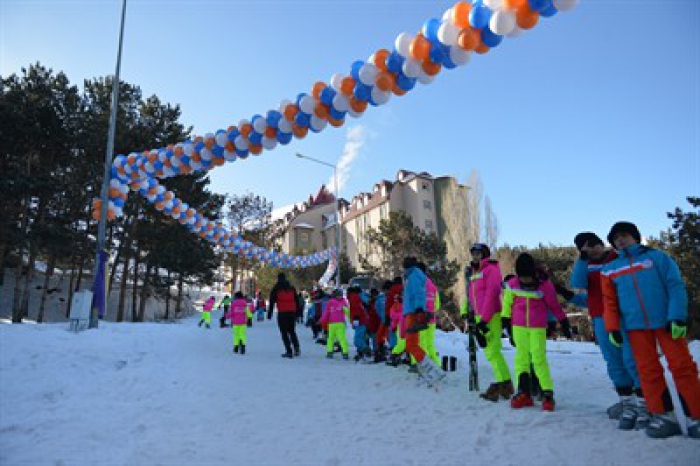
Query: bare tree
(475, 195)
(490, 225)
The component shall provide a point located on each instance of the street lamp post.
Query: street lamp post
(109, 153)
(338, 236)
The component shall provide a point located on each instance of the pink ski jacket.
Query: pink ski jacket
(484, 290)
(528, 308)
(337, 309)
(239, 312)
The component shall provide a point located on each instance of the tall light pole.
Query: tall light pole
(338, 236)
(109, 153)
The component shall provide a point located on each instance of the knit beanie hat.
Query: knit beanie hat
(587, 237)
(624, 227)
(481, 247)
(525, 266)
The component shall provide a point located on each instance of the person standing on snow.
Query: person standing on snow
(226, 304)
(239, 314)
(526, 300)
(484, 295)
(206, 312)
(643, 292)
(358, 317)
(427, 336)
(285, 297)
(260, 307)
(416, 316)
(334, 315)
(622, 368)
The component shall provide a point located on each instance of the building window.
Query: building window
(303, 239)
(426, 186)
(429, 226)
(427, 205)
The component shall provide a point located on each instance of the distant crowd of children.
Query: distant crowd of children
(635, 297)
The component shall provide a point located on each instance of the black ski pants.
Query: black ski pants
(286, 322)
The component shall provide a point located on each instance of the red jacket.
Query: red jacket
(396, 289)
(373, 321)
(357, 309)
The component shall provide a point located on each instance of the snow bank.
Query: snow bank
(147, 394)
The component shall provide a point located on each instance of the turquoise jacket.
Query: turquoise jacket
(414, 296)
(644, 287)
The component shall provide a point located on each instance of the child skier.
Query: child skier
(206, 312)
(525, 303)
(239, 314)
(260, 307)
(427, 336)
(226, 304)
(358, 317)
(334, 315)
(643, 292)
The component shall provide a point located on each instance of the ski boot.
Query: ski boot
(297, 352)
(628, 418)
(663, 425)
(694, 428)
(329, 355)
(521, 400)
(235, 349)
(242, 349)
(506, 389)
(547, 400)
(642, 414)
(615, 411)
(288, 355)
(493, 393)
(413, 369)
(345, 356)
(393, 360)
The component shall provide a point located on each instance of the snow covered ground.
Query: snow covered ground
(175, 394)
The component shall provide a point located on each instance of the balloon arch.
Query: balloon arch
(448, 43)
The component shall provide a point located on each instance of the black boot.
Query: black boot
(235, 349)
(242, 349)
(297, 352)
(288, 355)
(200, 323)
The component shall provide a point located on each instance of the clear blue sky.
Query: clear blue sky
(590, 118)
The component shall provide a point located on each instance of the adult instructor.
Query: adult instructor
(287, 300)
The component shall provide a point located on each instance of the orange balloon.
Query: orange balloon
(461, 14)
(335, 123)
(255, 149)
(95, 214)
(358, 105)
(110, 214)
(431, 68)
(130, 160)
(482, 48)
(97, 204)
(185, 169)
(196, 157)
(397, 90)
(152, 157)
(514, 4)
(246, 129)
(299, 131)
(209, 143)
(290, 111)
(526, 17)
(218, 161)
(469, 38)
(347, 85)
(114, 192)
(178, 151)
(384, 81)
(420, 48)
(270, 132)
(228, 146)
(317, 88)
(380, 58)
(321, 111)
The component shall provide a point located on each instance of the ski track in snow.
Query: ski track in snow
(175, 394)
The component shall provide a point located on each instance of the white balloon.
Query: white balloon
(307, 104)
(221, 139)
(368, 74)
(205, 154)
(448, 33)
(151, 198)
(353, 113)
(241, 142)
(336, 81)
(459, 56)
(260, 125)
(403, 43)
(448, 15)
(113, 183)
(283, 105)
(124, 189)
(425, 78)
(160, 189)
(209, 136)
(317, 123)
(341, 103)
(494, 4)
(380, 97)
(502, 22)
(230, 155)
(269, 143)
(169, 204)
(411, 68)
(565, 5)
(284, 126)
(242, 123)
(174, 161)
(143, 185)
(196, 166)
(515, 32)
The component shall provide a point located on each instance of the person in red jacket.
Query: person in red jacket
(285, 297)
(358, 317)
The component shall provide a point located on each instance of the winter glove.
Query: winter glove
(677, 329)
(508, 327)
(566, 328)
(482, 327)
(564, 292)
(615, 338)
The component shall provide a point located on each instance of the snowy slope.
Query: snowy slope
(174, 394)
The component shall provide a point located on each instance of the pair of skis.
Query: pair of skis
(473, 366)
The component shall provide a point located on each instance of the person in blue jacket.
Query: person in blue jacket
(631, 410)
(643, 292)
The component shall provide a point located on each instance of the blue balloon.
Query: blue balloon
(233, 134)
(302, 119)
(185, 159)
(113, 172)
(394, 62)
(216, 150)
(206, 163)
(490, 38)
(479, 16)
(549, 11)
(327, 95)
(242, 153)
(198, 147)
(437, 54)
(255, 118)
(299, 97)
(447, 61)
(355, 69)
(538, 5)
(284, 138)
(254, 137)
(362, 92)
(430, 29)
(273, 118)
(336, 114)
(405, 83)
